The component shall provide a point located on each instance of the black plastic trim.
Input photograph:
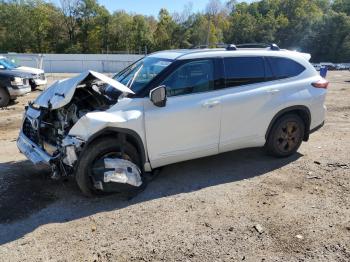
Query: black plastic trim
(117, 130)
(290, 109)
(316, 128)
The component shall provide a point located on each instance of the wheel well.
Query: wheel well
(4, 88)
(124, 134)
(302, 111)
(5, 94)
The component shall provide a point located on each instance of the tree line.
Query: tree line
(319, 27)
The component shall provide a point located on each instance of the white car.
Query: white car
(38, 75)
(317, 67)
(173, 106)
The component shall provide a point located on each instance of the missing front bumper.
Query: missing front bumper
(32, 151)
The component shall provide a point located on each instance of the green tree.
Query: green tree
(301, 15)
(92, 22)
(15, 18)
(331, 38)
(243, 26)
(198, 30)
(119, 28)
(320, 27)
(141, 37)
(164, 31)
(341, 6)
(69, 9)
(41, 24)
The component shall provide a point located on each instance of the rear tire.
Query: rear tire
(93, 153)
(4, 97)
(286, 136)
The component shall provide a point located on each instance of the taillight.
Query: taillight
(323, 83)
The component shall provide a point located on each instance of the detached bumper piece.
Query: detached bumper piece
(117, 176)
(122, 171)
(32, 151)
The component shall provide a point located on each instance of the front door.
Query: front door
(188, 126)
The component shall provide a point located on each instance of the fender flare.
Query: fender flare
(306, 118)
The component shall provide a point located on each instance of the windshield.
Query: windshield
(7, 63)
(139, 74)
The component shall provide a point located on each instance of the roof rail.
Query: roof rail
(272, 46)
(232, 47)
(216, 45)
(199, 47)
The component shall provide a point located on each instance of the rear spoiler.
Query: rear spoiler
(306, 56)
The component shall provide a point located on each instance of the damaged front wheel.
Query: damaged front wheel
(109, 166)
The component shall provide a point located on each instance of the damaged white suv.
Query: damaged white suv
(169, 107)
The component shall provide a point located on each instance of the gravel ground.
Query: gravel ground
(237, 206)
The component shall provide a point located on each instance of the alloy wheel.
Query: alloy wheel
(288, 137)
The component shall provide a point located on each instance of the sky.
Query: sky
(151, 7)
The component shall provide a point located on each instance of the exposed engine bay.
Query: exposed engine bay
(49, 128)
(55, 124)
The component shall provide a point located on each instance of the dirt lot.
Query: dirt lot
(201, 210)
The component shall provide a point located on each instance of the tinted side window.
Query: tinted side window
(284, 67)
(244, 70)
(192, 77)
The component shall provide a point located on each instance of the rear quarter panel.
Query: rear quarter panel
(298, 91)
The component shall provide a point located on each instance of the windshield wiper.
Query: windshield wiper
(131, 81)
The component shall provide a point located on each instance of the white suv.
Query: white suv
(173, 106)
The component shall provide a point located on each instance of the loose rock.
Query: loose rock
(259, 228)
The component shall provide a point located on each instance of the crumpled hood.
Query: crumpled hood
(61, 92)
(31, 70)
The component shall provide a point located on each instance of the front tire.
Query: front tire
(92, 157)
(4, 97)
(33, 86)
(285, 136)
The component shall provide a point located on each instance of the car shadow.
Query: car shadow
(30, 199)
(10, 104)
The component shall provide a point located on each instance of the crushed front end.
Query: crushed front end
(44, 137)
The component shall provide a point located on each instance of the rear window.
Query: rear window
(284, 67)
(244, 70)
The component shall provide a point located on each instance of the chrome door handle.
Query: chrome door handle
(211, 104)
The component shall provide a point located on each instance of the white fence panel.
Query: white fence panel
(75, 63)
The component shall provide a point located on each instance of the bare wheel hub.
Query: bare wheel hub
(288, 136)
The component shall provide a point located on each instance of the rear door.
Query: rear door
(246, 102)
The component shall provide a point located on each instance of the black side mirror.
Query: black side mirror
(158, 96)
